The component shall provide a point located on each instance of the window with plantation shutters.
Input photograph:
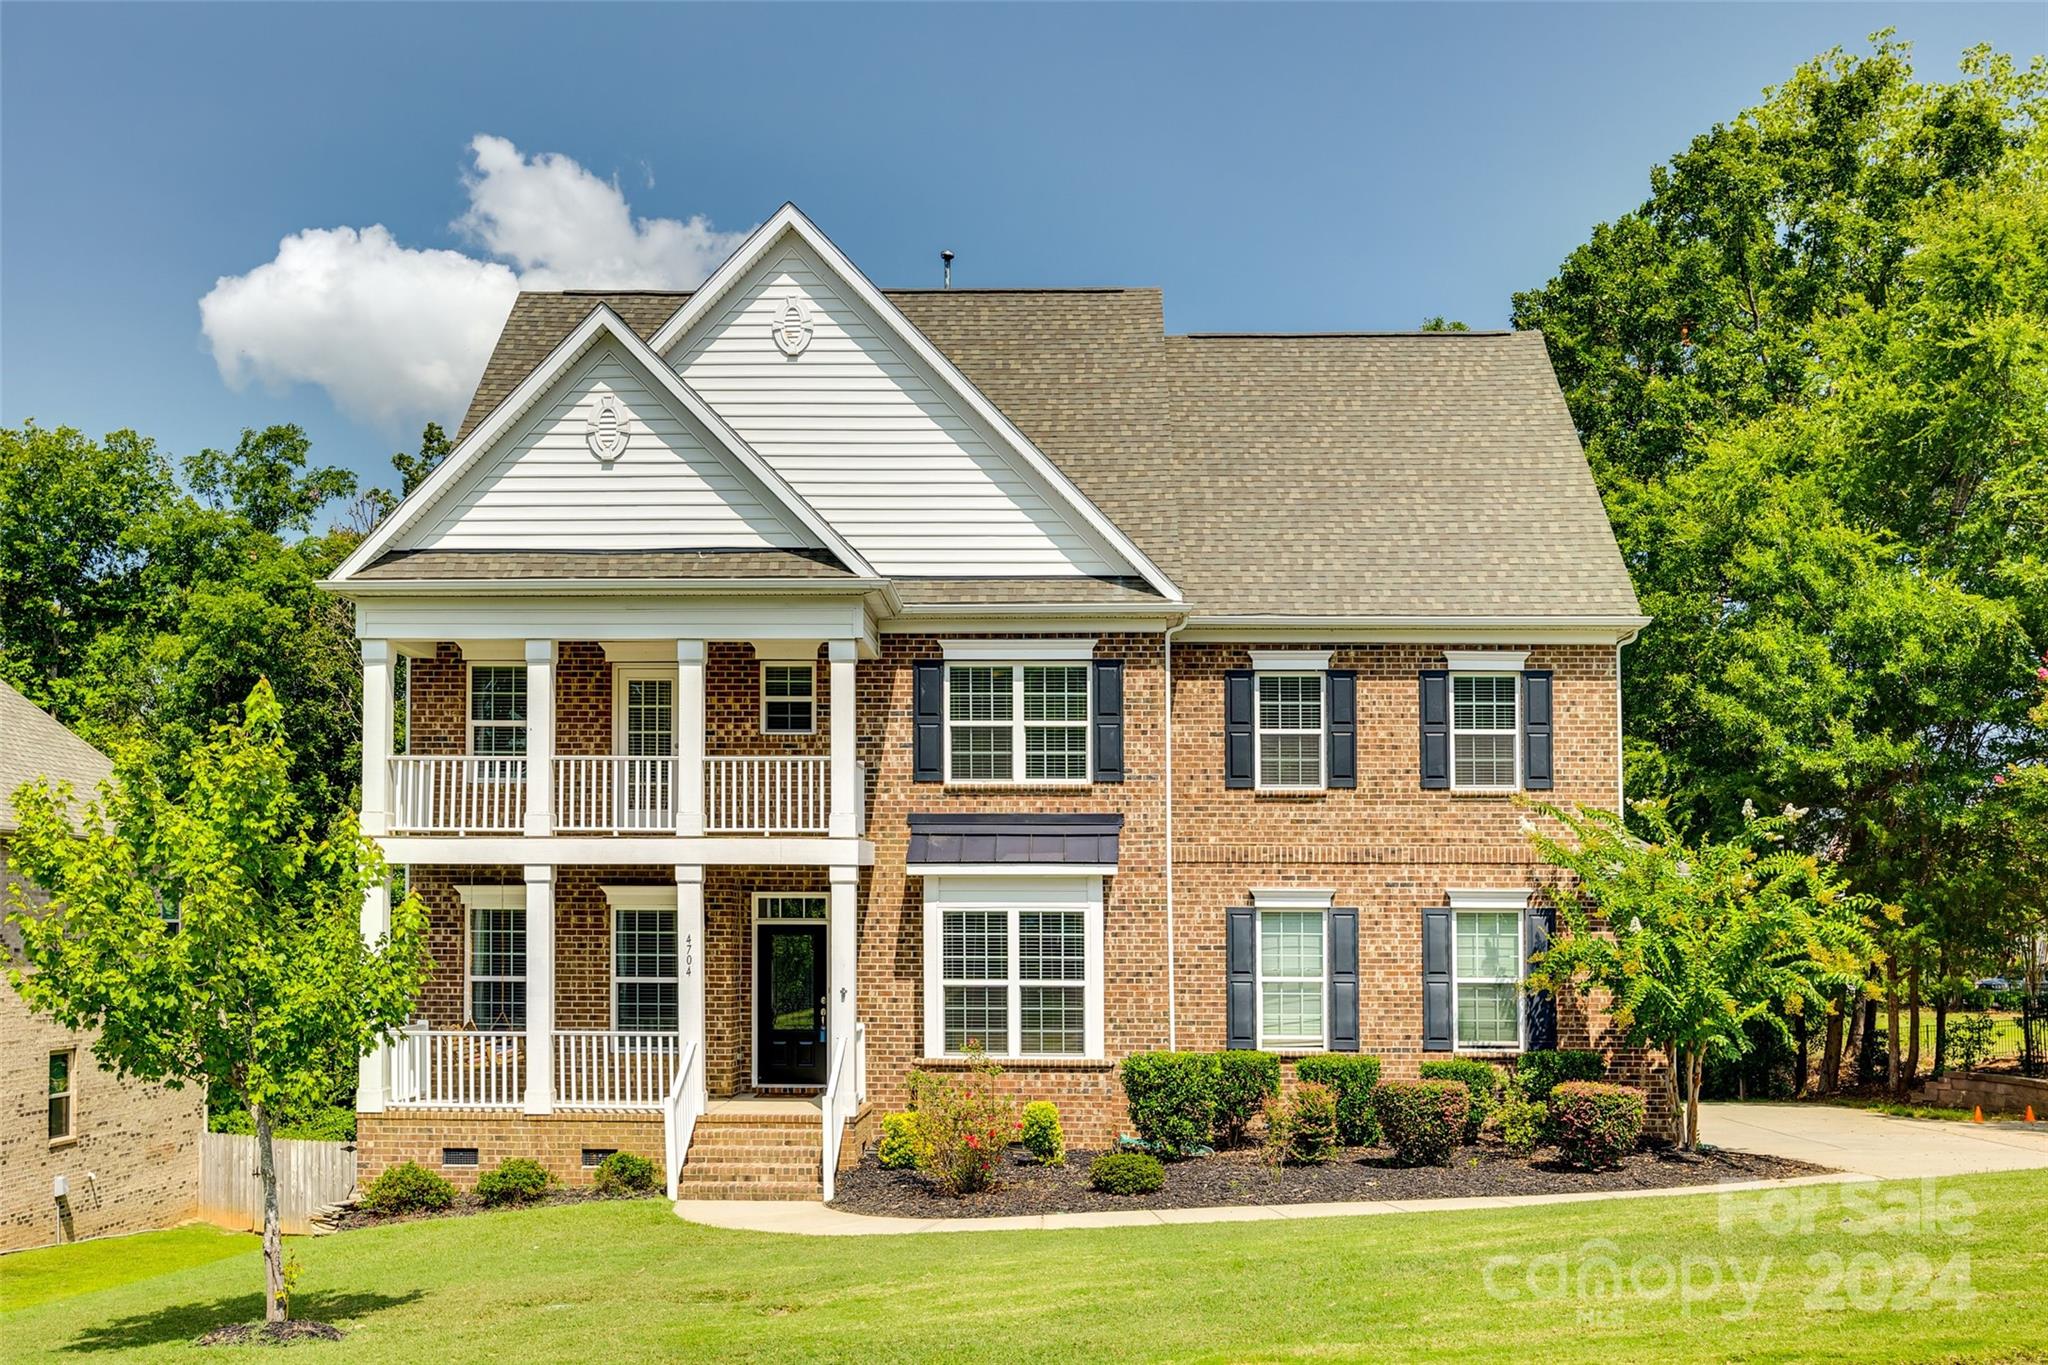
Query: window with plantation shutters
(1017, 723)
(1013, 966)
(1483, 730)
(1290, 730)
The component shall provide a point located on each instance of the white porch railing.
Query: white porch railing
(451, 1069)
(612, 794)
(679, 1111)
(457, 794)
(761, 794)
(607, 1069)
(845, 1089)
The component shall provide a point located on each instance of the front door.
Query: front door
(789, 1001)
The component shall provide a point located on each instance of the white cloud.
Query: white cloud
(398, 335)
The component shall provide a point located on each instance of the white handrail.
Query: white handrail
(679, 1111)
(614, 793)
(458, 1069)
(836, 1109)
(457, 794)
(767, 794)
(613, 1068)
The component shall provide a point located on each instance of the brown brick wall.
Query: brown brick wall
(583, 698)
(437, 703)
(556, 1141)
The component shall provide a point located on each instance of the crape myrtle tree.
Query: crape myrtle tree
(1694, 942)
(213, 938)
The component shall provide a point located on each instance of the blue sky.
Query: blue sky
(1270, 168)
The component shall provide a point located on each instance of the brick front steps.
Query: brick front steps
(740, 1155)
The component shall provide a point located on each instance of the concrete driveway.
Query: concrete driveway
(1875, 1144)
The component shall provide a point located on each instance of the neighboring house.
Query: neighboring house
(82, 1152)
(806, 682)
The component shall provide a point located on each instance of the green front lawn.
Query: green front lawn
(631, 1281)
(32, 1277)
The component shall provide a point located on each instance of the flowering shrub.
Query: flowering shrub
(1042, 1135)
(1423, 1120)
(1595, 1125)
(961, 1128)
(1302, 1127)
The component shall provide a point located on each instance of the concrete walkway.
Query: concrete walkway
(1859, 1145)
(1872, 1144)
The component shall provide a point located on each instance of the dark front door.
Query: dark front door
(789, 1001)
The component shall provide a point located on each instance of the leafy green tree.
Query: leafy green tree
(214, 938)
(1437, 324)
(1694, 942)
(265, 479)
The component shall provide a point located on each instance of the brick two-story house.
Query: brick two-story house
(802, 682)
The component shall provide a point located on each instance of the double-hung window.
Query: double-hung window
(1485, 991)
(62, 1062)
(497, 715)
(497, 964)
(643, 969)
(789, 699)
(1017, 979)
(1290, 730)
(1017, 722)
(1484, 731)
(1292, 979)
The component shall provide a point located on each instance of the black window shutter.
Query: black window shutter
(1340, 698)
(1343, 981)
(1536, 730)
(1539, 1008)
(1239, 701)
(1243, 1008)
(1108, 703)
(1436, 727)
(929, 750)
(1436, 979)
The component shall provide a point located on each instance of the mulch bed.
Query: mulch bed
(1242, 1177)
(467, 1204)
(270, 1333)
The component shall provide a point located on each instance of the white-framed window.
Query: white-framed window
(1013, 965)
(1485, 731)
(1293, 978)
(644, 708)
(644, 996)
(497, 710)
(1486, 971)
(1024, 722)
(63, 1062)
(1290, 730)
(789, 699)
(495, 936)
(780, 905)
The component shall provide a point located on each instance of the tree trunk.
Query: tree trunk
(1866, 1054)
(1692, 1102)
(273, 1239)
(1802, 1068)
(1673, 1067)
(1894, 1079)
(1852, 1046)
(1913, 1025)
(1831, 1053)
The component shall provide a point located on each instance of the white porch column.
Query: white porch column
(540, 989)
(377, 729)
(540, 738)
(846, 793)
(690, 964)
(689, 737)
(371, 1070)
(842, 935)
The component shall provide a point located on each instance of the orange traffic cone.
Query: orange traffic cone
(1978, 1117)
(2030, 1113)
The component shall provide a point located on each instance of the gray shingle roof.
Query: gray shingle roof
(33, 745)
(1362, 474)
(415, 565)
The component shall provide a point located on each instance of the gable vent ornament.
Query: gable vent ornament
(793, 326)
(605, 433)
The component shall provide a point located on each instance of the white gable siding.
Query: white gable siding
(542, 489)
(873, 440)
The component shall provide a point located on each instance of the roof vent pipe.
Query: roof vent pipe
(946, 259)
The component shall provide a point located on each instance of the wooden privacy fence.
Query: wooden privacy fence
(310, 1175)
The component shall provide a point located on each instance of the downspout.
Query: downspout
(1172, 993)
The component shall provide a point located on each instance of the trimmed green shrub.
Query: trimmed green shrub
(1536, 1073)
(1126, 1173)
(625, 1173)
(1595, 1125)
(408, 1188)
(1245, 1080)
(1521, 1123)
(1483, 1079)
(1353, 1077)
(1301, 1126)
(1423, 1119)
(516, 1180)
(1042, 1135)
(1172, 1099)
(897, 1151)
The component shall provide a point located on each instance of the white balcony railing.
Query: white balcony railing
(451, 1069)
(767, 795)
(457, 794)
(615, 795)
(608, 1069)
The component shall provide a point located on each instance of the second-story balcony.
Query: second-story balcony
(768, 794)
